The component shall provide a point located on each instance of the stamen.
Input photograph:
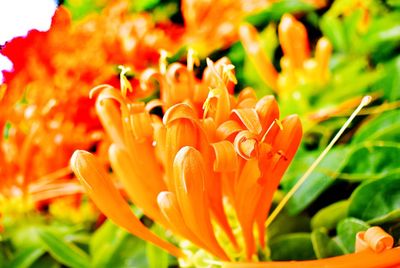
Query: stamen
(162, 62)
(125, 84)
(278, 123)
(213, 93)
(58, 174)
(227, 73)
(192, 59)
(365, 101)
(269, 129)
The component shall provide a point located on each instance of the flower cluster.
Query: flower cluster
(208, 149)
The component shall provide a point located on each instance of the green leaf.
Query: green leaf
(394, 3)
(377, 200)
(383, 30)
(277, 9)
(294, 246)
(64, 252)
(46, 261)
(25, 236)
(329, 216)
(391, 82)
(384, 127)
(324, 246)
(112, 246)
(82, 8)
(157, 257)
(353, 83)
(26, 257)
(285, 223)
(323, 176)
(333, 29)
(142, 5)
(372, 160)
(106, 231)
(347, 230)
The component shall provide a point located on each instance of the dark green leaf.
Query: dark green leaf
(284, 224)
(377, 200)
(317, 182)
(384, 127)
(347, 230)
(295, 246)
(372, 160)
(329, 216)
(46, 261)
(26, 257)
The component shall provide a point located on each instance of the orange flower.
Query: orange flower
(299, 70)
(298, 67)
(45, 110)
(207, 148)
(211, 25)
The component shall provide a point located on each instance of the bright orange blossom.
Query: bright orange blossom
(178, 169)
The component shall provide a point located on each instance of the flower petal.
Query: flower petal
(228, 129)
(141, 124)
(247, 194)
(294, 40)
(170, 209)
(246, 144)
(375, 238)
(142, 192)
(285, 146)
(189, 175)
(267, 110)
(110, 118)
(249, 118)
(109, 200)
(323, 53)
(179, 111)
(251, 43)
(225, 157)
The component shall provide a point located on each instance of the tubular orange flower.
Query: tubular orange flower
(206, 149)
(203, 151)
(299, 70)
(45, 110)
(297, 65)
(211, 25)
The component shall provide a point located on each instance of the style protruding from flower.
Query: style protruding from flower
(211, 154)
